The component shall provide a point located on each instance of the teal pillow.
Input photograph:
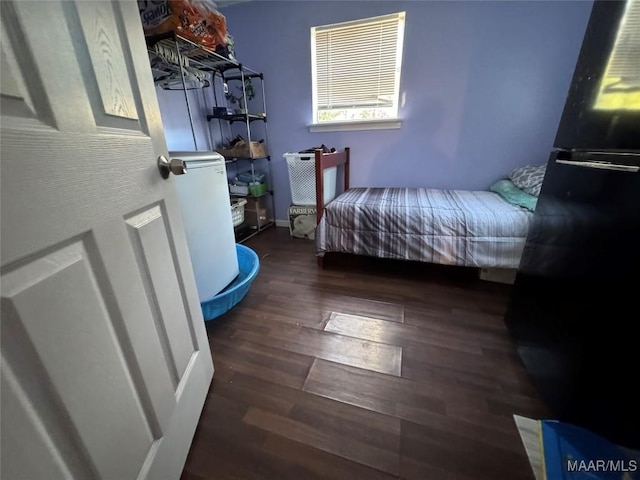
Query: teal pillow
(512, 194)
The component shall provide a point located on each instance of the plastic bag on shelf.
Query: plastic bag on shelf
(250, 177)
(196, 20)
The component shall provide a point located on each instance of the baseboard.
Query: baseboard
(282, 223)
(500, 275)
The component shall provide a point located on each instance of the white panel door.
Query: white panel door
(105, 359)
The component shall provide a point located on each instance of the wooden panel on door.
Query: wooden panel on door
(156, 259)
(108, 64)
(80, 346)
(105, 357)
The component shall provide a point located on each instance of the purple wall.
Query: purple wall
(175, 119)
(484, 85)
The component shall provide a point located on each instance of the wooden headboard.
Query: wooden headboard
(324, 161)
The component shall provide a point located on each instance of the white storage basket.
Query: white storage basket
(237, 211)
(302, 178)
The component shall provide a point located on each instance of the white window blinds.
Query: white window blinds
(620, 85)
(356, 68)
(625, 55)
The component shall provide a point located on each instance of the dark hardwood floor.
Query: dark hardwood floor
(368, 369)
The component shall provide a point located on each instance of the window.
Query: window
(620, 87)
(356, 70)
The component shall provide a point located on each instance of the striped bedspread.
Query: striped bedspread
(451, 227)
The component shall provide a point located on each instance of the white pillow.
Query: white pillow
(528, 178)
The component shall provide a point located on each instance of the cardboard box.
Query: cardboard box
(245, 150)
(257, 218)
(302, 221)
(255, 212)
(256, 203)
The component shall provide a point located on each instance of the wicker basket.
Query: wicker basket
(237, 210)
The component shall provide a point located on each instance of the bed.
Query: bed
(450, 227)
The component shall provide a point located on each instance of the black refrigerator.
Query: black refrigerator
(574, 310)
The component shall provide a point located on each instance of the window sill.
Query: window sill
(358, 125)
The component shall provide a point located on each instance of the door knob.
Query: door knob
(167, 167)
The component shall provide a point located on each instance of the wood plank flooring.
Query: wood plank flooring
(368, 369)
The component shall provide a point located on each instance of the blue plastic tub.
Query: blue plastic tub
(228, 298)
